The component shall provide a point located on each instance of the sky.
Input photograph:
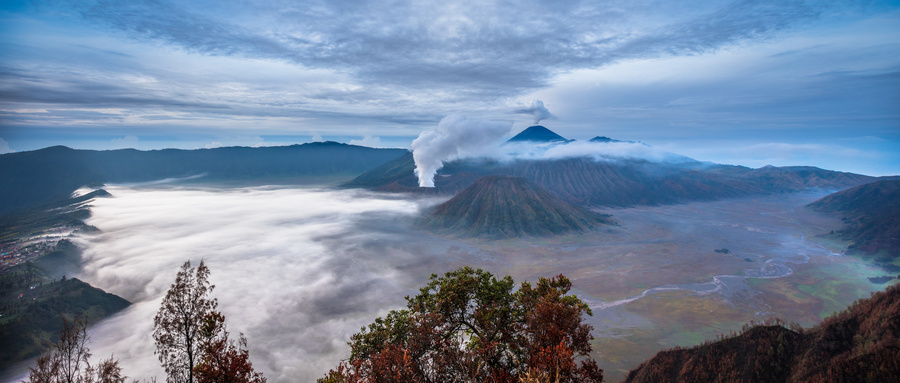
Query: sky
(740, 82)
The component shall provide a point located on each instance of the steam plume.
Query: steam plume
(455, 137)
(536, 110)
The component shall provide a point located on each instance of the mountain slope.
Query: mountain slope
(857, 345)
(872, 214)
(506, 207)
(614, 183)
(400, 168)
(52, 174)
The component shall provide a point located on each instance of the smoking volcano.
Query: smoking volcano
(508, 207)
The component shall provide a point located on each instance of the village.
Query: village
(22, 250)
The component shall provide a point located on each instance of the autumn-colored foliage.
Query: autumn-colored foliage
(469, 326)
(191, 341)
(223, 360)
(859, 344)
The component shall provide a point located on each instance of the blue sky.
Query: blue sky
(740, 82)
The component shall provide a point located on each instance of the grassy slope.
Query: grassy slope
(872, 215)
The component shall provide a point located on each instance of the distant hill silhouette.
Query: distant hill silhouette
(537, 133)
(872, 215)
(52, 174)
(507, 207)
(857, 345)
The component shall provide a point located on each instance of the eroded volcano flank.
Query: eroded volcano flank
(507, 207)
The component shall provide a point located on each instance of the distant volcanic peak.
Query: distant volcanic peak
(506, 207)
(603, 139)
(538, 133)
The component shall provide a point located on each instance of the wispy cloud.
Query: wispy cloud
(498, 46)
(370, 141)
(731, 67)
(4, 147)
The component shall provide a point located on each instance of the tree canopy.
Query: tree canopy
(68, 360)
(177, 323)
(191, 340)
(470, 326)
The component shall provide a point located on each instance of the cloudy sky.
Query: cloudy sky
(745, 82)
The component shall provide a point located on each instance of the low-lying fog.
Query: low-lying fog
(296, 270)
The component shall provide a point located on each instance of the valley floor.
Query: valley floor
(679, 275)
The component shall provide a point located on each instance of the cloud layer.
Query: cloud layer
(185, 74)
(296, 270)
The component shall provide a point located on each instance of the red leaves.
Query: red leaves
(222, 360)
(191, 341)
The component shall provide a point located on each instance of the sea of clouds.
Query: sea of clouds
(296, 270)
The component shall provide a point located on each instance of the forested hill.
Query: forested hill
(32, 316)
(51, 174)
(859, 344)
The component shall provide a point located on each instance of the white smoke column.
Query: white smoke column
(455, 137)
(536, 110)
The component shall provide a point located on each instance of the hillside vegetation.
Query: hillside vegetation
(872, 216)
(32, 317)
(859, 344)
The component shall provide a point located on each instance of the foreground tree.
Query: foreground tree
(191, 340)
(68, 360)
(178, 322)
(469, 326)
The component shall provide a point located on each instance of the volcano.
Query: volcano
(614, 182)
(508, 207)
(538, 133)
